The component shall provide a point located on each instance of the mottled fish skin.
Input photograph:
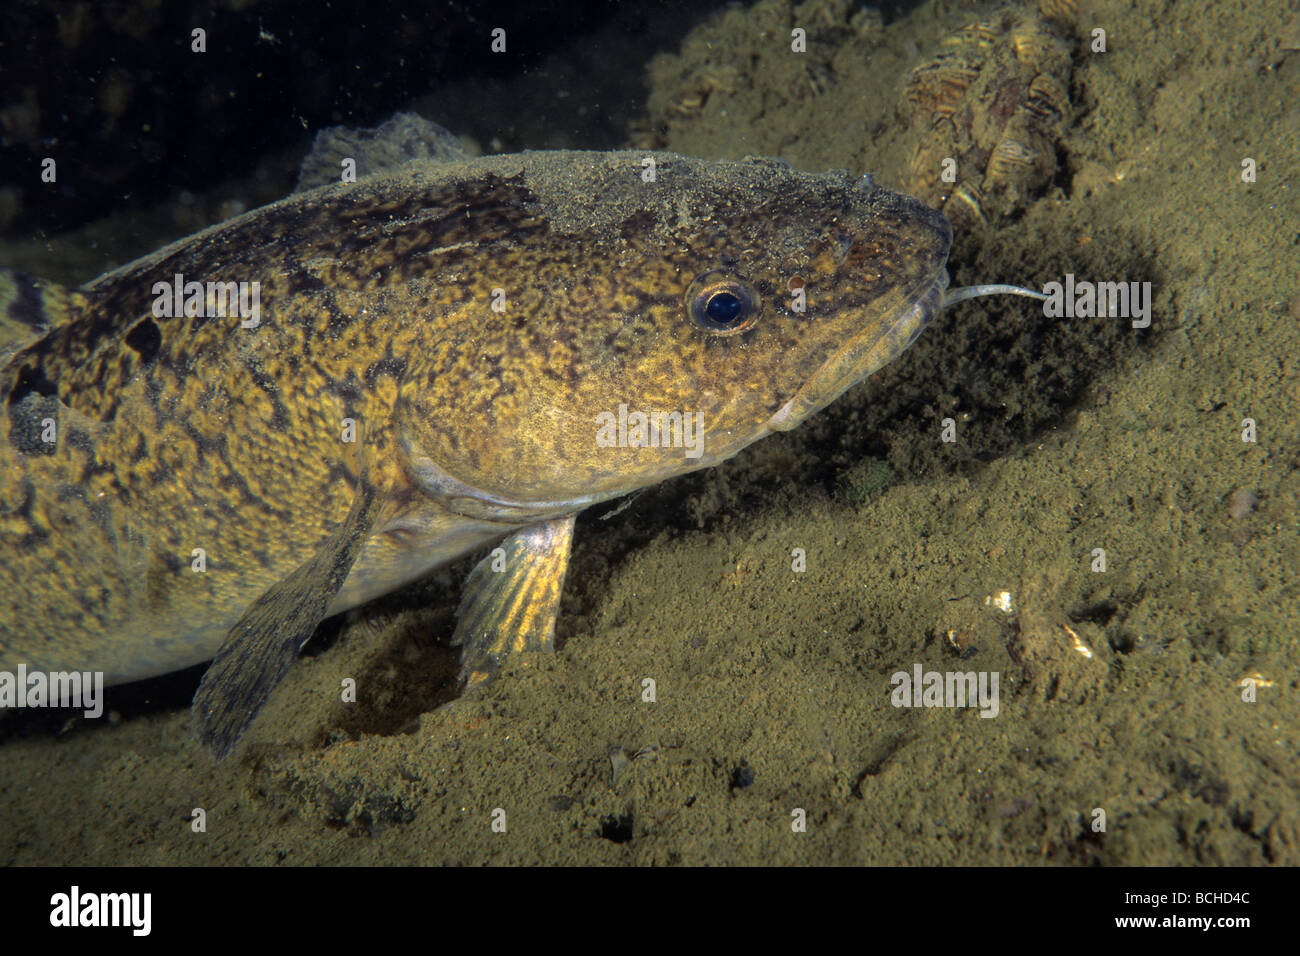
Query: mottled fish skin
(176, 434)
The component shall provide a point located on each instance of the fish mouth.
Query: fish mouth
(862, 356)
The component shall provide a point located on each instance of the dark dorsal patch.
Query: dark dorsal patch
(146, 338)
(357, 239)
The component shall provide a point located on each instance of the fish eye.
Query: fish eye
(722, 303)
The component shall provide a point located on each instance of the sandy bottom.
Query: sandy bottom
(1120, 690)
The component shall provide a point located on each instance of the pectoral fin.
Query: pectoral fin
(261, 646)
(511, 599)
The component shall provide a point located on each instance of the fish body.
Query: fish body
(437, 360)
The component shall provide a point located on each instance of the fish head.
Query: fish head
(661, 313)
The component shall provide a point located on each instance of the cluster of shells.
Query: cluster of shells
(987, 113)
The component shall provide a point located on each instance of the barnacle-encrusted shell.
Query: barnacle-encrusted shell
(989, 108)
